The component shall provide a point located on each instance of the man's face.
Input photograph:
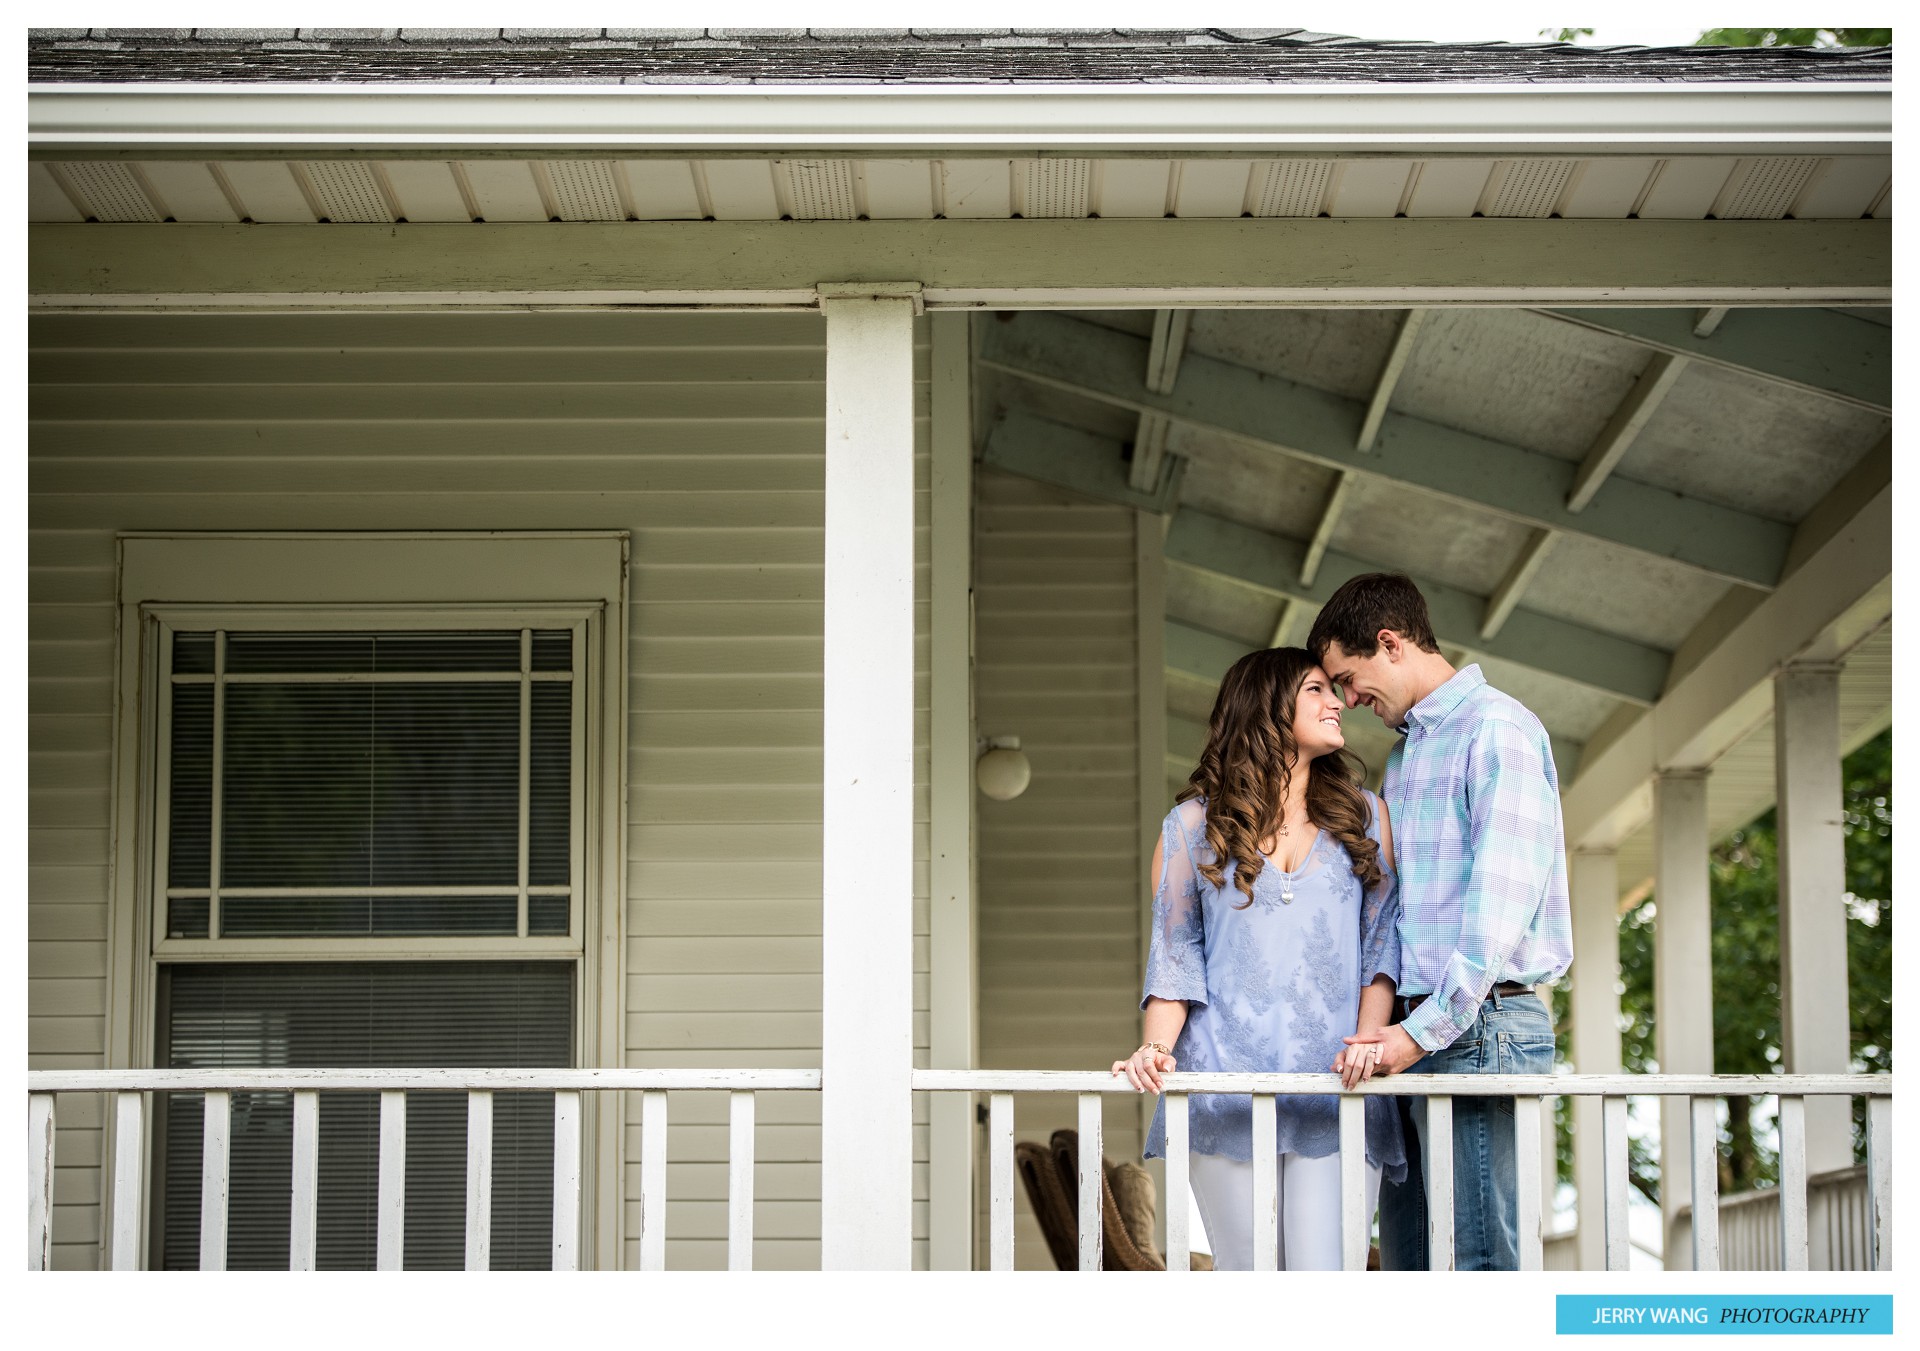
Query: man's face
(1377, 682)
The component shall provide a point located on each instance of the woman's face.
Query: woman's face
(1316, 716)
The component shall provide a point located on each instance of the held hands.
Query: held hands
(1387, 1051)
(1144, 1067)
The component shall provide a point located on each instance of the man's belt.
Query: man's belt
(1405, 1004)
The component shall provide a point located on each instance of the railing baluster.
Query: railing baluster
(1354, 1220)
(479, 1179)
(1706, 1183)
(1092, 1156)
(1266, 1180)
(1526, 1160)
(1614, 1179)
(39, 1181)
(1178, 1206)
(740, 1181)
(1000, 1182)
(653, 1180)
(1793, 1183)
(566, 1181)
(1440, 1183)
(303, 1239)
(216, 1135)
(129, 1154)
(390, 1239)
(1880, 1182)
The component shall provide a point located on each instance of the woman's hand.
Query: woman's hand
(1144, 1067)
(1358, 1059)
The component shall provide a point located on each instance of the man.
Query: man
(1474, 803)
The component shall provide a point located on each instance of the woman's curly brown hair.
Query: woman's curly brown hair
(1246, 768)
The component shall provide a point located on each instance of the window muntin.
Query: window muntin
(325, 783)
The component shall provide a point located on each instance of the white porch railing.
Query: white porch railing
(1839, 1224)
(1529, 1093)
(1788, 1213)
(129, 1089)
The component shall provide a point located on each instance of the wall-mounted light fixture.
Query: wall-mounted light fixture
(1002, 771)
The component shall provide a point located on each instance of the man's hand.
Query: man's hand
(1397, 1049)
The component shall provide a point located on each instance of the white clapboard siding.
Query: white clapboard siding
(702, 434)
(1060, 867)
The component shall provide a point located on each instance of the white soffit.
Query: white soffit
(1692, 187)
(1570, 120)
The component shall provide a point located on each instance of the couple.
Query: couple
(1292, 907)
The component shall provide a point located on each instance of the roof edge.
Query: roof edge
(342, 119)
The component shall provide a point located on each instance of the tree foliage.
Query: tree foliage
(1795, 37)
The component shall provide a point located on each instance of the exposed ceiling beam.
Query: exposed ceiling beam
(1617, 437)
(1838, 596)
(967, 263)
(1839, 355)
(1506, 596)
(1283, 624)
(1092, 465)
(1167, 346)
(1708, 320)
(1068, 457)
(1149, 450)
(1390, 373)
(1295, 421)
(1598, 661)
(1323, 531)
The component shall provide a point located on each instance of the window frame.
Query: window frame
(166, 620)
(379, 579)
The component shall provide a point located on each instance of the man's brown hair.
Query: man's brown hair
(1354, 615)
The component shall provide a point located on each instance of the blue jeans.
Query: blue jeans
(1512, 1035)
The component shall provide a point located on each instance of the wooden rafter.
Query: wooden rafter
(1303, 423)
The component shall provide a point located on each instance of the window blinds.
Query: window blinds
(361, 1014)
(373, 784)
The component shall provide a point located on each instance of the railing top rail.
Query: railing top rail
(1406, 1085)
(287, 1080)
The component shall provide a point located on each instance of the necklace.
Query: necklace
(1282, 831)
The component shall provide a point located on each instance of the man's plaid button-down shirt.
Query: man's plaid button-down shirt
(1475, 805)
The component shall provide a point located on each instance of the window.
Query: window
(378, 828)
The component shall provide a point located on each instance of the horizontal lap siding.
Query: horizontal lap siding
(1059, 867)
(702, 435)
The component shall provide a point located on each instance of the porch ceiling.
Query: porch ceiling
(1585, 623)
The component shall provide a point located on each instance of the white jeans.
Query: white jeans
(1308, 1194)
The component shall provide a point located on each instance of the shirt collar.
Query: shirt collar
(1436, 707)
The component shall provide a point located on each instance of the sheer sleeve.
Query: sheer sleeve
(1176, 950)
(1380, 912)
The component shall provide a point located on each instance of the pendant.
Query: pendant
(1286, 896)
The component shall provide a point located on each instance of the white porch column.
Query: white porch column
(866, 1024)
(1594, 880)
(1813, 881)
(1682, 974)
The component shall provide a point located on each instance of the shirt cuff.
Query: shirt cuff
(1430, 1027)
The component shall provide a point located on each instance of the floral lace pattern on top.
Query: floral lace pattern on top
(1271, 987)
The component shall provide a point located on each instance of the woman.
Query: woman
(1274, 915)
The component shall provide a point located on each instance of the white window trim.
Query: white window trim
(391, 577)
(583, 621)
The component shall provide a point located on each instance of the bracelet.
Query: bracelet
(1155, 1046)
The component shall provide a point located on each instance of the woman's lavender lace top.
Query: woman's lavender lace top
(1273, 987)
